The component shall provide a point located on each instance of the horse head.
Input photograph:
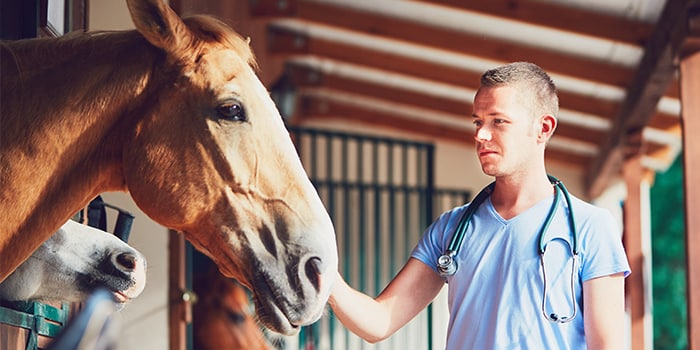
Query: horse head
(73, 263)
(222, 317)
(210, 157)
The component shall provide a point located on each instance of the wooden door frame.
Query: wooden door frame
(22, 19)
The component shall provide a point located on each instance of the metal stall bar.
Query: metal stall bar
(331, 206)
(428, 217)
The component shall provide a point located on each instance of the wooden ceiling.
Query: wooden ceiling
(414, 65)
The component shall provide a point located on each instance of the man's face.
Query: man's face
(506, 134)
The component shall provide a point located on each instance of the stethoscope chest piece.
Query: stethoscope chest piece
(446, 264)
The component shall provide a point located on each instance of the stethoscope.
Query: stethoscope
(447, 265)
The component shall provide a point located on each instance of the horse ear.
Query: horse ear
(158, 23)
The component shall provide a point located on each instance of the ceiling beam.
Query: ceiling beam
(691, 45)
(395, 28)
(284, 41)
(306, 76)
(655, 71)
(561, 17)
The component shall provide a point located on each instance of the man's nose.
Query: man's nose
(482, 134)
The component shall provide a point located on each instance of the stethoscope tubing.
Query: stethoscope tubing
(553, 317)
(447, 264)
(572, 224)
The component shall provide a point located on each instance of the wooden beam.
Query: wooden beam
(664, 121)
(561, 17)
(178, 309)
(650, 81)
(306, 76)
(632, 237)
(690, 90)
(288, 43)
(315, 106)
(390, 27)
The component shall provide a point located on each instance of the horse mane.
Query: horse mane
(207, 28)
(34, 52)
(21, 56)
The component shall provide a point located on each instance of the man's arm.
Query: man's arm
(375, 319)
(604, 311)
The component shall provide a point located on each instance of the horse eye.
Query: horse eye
(235, 317)
(232, 111)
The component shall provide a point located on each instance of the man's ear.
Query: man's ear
(548, 123)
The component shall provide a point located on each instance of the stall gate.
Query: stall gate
(380, 194)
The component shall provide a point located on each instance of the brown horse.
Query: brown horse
(173, 113)
(222, 315)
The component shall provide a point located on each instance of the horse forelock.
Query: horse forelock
(211, 30)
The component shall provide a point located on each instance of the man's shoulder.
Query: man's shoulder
(586, 209)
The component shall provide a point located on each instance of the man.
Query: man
(497, 296)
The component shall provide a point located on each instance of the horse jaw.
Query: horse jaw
(24, 283)
(290, 275)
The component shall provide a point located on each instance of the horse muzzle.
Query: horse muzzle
(124, 274)
(287, 301)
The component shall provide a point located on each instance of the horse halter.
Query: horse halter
(447, 264)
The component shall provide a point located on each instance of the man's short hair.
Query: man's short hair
(535, 85)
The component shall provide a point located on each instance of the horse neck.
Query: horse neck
(68, 151)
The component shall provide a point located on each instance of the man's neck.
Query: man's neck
(513, 195)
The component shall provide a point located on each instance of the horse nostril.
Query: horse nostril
(313, 270)
(126, 260)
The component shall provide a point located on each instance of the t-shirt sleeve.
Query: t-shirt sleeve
(601, 246)
(435, 239)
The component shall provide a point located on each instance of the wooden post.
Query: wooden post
(632, 237)
(690, 90)
(178, 309)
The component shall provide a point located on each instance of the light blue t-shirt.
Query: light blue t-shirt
(495, 297)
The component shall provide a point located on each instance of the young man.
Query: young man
(497, 295)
